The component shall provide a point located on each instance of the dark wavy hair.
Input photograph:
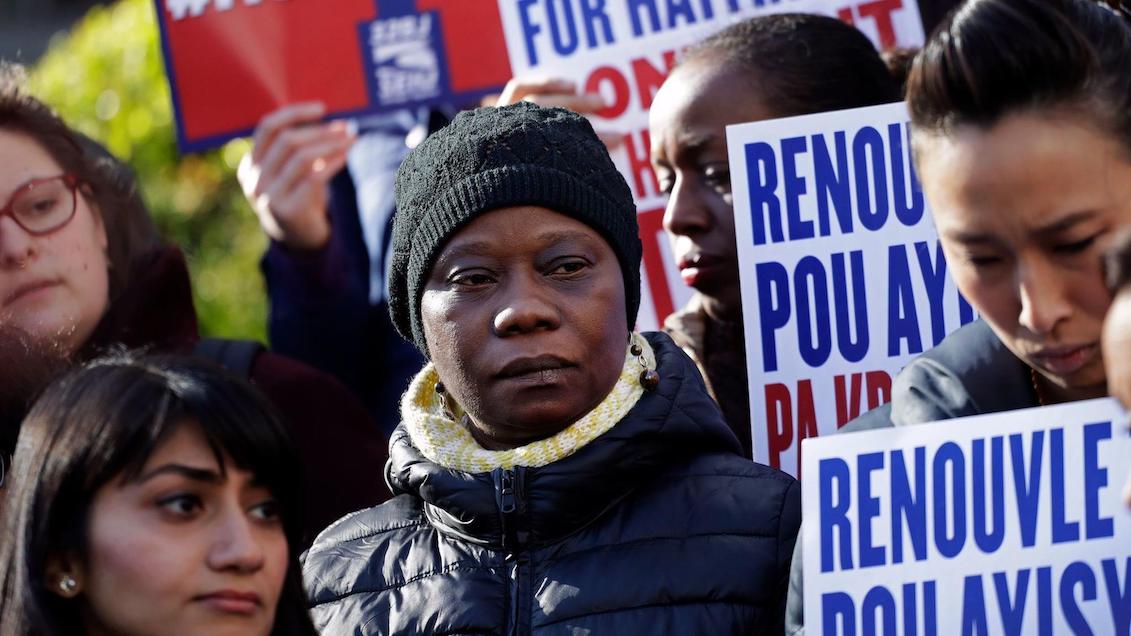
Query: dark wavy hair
(993, 58)
(108, 185)
(102, 422)
(804, 63)
(27, 366)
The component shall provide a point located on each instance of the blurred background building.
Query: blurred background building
(27, 26)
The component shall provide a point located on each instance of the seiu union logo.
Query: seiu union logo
(404, 58)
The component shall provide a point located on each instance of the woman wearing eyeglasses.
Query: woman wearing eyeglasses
(83, 270)
(66, 302)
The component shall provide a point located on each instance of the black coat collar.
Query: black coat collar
(675, 422)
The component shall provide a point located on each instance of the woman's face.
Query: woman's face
(687, 125)
(524, 314)
(1024, 210)
(186, 548)
(55, 286)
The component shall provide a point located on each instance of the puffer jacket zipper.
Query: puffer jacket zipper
(509, 495)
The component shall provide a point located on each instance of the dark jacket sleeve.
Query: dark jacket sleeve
(321, 314)
(343, 451)
(320, 300)
(970, 373)
(788, 538)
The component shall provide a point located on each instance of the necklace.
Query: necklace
(1037, 387)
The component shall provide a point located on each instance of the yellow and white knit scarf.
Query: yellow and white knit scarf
(446, 442)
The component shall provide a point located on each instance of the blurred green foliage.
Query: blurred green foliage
(106, 78)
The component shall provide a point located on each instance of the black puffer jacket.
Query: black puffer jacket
(656, 527)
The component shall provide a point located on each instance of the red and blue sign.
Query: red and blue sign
(230, 62)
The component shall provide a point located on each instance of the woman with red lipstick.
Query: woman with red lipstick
(555, 471)
(152, 496)
(82, 270)
(763, 68)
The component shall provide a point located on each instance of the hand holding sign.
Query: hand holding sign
(284, 177)
(555, 92)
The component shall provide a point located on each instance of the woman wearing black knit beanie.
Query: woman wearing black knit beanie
(555, 471)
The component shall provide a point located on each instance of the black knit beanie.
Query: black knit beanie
(493, 158)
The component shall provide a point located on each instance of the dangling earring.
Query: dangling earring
(649, 378)
(446, 400)
(68, 586)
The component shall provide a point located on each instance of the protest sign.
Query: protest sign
(624, 49)
(843, 278)
(231, 61)
(1009, 523)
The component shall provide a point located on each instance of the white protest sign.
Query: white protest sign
(843, 278)
(1009, 523)
(624, 49)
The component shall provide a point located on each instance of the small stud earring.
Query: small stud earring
(68, 585)
(440, 388)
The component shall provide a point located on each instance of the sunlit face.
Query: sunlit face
(687, 124)
(55, 286)
(186, 548)
(1024, 210)
(524, 314)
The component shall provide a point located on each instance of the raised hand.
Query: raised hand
(559, 93)
(284, 177)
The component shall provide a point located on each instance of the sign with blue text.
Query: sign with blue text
(229, 62)
(625, 49)
(1010, 523)
(843, 278)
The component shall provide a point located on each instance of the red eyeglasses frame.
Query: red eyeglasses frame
(72, 182)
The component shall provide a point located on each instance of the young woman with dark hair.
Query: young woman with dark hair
(763, 68)
(83, 270)
(1021, 114)
(152, 496)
